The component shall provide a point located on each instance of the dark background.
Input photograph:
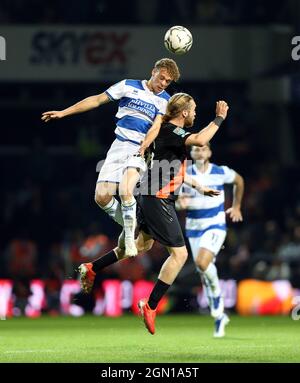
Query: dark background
(48, 171)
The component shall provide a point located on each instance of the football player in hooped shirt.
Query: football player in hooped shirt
(142, 104)
(206, 224)
(157, 217)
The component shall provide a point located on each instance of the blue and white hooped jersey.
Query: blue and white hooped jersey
(138, 107)
(204, 212)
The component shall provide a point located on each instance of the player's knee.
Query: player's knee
(184, 257)
(102, 199)
(123, 190)
(148, 245)
(181, 256)
(127, 198)
(125, 193)
(202, 263)
(144, 247)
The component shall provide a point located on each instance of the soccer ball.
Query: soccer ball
(178, 40)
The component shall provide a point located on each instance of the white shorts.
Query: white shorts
(119, 157)
(211, 240)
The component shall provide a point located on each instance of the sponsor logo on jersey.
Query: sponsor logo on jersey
(180, 132)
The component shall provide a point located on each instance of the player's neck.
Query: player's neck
(149, 86)
(202, 166)
(179, 121)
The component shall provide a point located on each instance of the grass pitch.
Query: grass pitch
(179, 338)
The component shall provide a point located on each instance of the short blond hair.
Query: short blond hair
(170, 65)
(176, 104)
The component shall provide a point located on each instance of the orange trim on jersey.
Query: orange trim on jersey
(174, 183)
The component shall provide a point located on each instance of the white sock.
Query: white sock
(129, 217)
(113, 209)
(212, 275)
(206, 287)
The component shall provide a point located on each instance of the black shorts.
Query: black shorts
(157, 217)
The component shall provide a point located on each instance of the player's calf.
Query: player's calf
(129, 218)
(126, 190)
(104, 198)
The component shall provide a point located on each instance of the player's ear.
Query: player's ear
(154, 71)
(185, 113)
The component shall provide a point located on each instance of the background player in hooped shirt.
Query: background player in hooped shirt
(141, 105)
(206, 223)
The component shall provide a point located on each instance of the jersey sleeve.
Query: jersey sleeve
(116, 91)
(229, 175)
(178, 137)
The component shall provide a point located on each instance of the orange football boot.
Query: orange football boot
(148, 315)
(87, 277)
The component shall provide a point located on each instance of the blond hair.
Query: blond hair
(176, 104)
(170, 65)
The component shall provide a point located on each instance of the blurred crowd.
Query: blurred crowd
(151, 12)
(47, 238)
(44, 233)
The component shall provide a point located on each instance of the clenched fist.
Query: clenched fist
(221, 109)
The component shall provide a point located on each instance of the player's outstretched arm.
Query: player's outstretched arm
(200, 188)
(80, 107)
(206, 134)
(234, 211)
(151, 134)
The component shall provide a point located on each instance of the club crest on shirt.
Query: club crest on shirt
(180, 132)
